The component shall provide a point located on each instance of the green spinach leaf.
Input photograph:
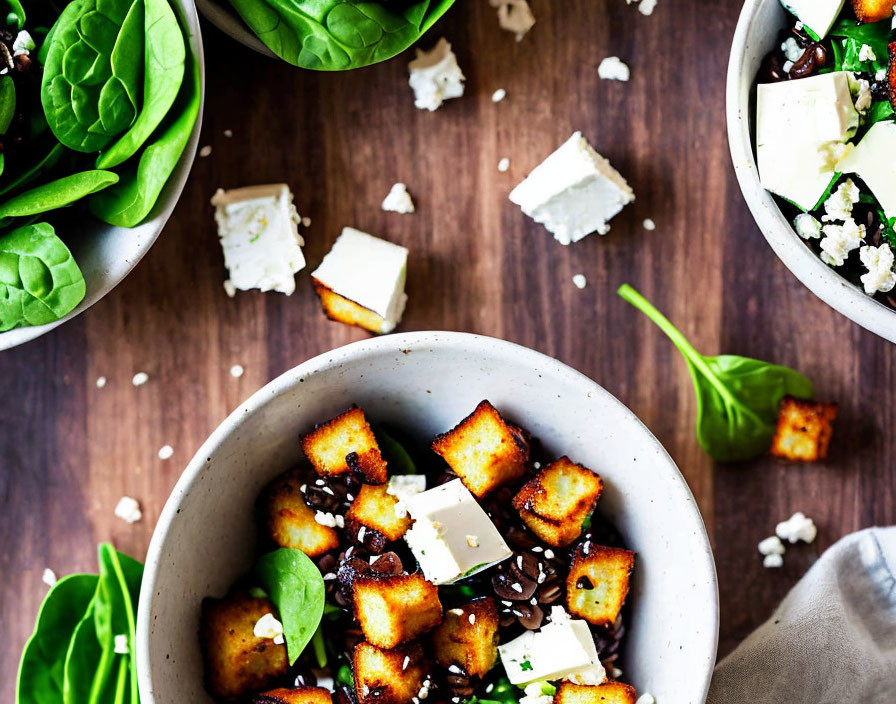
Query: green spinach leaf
(14, 7)
(56, 194)
(396, 456)
(36, 169)
(82, 661)
(737, 397)
(39, 280)
(296, 587)
(7, 102)
(334, 35)
(847, 39)
(41, 669)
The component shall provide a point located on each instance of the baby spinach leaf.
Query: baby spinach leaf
(129, 202)
(14, 7)
(162, 76)
(737, 397)
(7, 102)
(847, 39)
(296, 587)
(41, 669)
(397, 458)
(84, 93)
(82, 661)
(56, 194)
(39, 279)
(45, 163)
(334, 35)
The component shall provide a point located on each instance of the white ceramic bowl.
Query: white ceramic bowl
(426, 383)
(106, 254)
(225, 18)
(756, 35)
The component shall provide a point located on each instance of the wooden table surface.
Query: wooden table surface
(69, 450)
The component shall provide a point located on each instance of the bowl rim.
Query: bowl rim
(228, 21)
(172, 192)
(423, 340)
(841, 295)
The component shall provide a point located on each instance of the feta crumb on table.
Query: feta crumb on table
(435, 76)
(649, 224)
(613, 68)
(166, 452)
(772, 550)
(504, 165)
(205, 151)
(140, 378)
(580, 281)
(258, 229)
(49, 577)
(100, 382)
(499, 95)
(797, 527)
(128, 510)
(514, 16)
(772, 561)
(398, 200)
(236, 371)
(879, 263)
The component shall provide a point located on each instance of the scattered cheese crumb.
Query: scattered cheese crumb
(121, 644)
(646, 8)
(49, 577)
(140, 378)
(504, 165)
(864, 97)
(205, 151)
(325, 519)
(879, 263)
(101, 382)
(649, 224)
(472, 619)
(435, 76)
(773, 561)
(456, 612)
(166, 452)
(228, 133)
(269, 627)
(807, 226)
(580, 281)
(866, 53)
(514, 16)
(797, 527)
(773, 550)
(229, 288)
(840, 240)
(881, 75)
(306, 221)
(399, 200)
(473, 541)
(236, 371)
(612, 68)
(792, 50)
(646, 698)
(499, 95)
(838, 207)
(128, 510)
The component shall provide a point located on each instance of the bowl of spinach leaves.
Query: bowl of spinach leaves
(326, 35)
(100, 106)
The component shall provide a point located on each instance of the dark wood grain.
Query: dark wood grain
(69, 450)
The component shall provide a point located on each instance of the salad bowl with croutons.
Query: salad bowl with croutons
(433, 516)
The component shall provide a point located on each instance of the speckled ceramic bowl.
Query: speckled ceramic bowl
(425, 383)
(756, 35)
(107, 254)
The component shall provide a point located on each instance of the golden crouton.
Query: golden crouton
(393, 609)
(387, 676)
(299, 695)
(342, 310)
(290, 521)
(869, 11)
(891, 74)
(556, 502)
(606, 693)
(484, 450)
(468, 637)
(804, 429)
(375, 509)
(236, 660)
(597, 583)
(344, 444)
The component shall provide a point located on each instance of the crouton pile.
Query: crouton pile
(391, 636)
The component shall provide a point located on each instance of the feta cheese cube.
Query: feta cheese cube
(435, 76)
(818, 15)
(361, 281)
(801, 130)
(452, 536)
(258, 227)
(563, 648)
(574, 192)
(874, 161)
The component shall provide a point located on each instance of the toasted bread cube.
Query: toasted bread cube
(468, 637)
(597, 583)
(375, 509)
(299, 695)
(484, 450)
(345, 444)
(291, 522)
(236, 660)
(606, 693)
(341, 310)
(393, 609)
(891, 74)
(556, 502)
(804, 429)
(387, 676)
(869, 11)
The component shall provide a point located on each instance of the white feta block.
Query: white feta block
(574, 192)
(874, 161)
(452, 536)
(368, 272)
(435, 76)
(801, 130)
(818, 15)
(562, 649)
(258, 227)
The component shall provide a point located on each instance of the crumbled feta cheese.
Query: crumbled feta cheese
(881, 75)
(472, 619)
(797, 527)
(325, 519)
(228, 133)
(792, 50)
(120, 646)
(140, 378)
(863, 95)
(128, 510)
(549, 554)
(49, 577)
(205, 151)
(514, 16)
(533, 694)
(236, 371)
(258, 228)
(773, 561)
(807, 226)
(472, 541)
(646, 7)
(166, 452)
(771, 546)
(866, 53)
(612, 68)
(435, 76)
(306, 221)
(101, 382)
(229, 288)
(399, 200)
(362, 531)
(402, 487)
(340, 523)
(504, 165)
(649, 224)
(269, 627)
(786, 66)
(499, 95)
(839, 206)
(579, 281)
(23, 44)
(879, 263)
(840, 240)
(646, 699)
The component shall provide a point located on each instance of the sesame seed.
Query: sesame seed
(517, 587)
(586, 547)
(349, 497)
(328, 490)
(519, 561)
(329, 575)
(340, 521)
(472, 619)
(549, 554)
(507, 603)
(488, 690)
(362, 531)
(306, 222)
(205, 151)
(533, 601)
(579, 281)
(228, 133)
(140, 378)
(456, 612)
(348, 553)
(541, 577)
(404, 665)
(538, 548)
(516, 613)
(455, 669)
(319, 482)
(303, 488)
(229, 288)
